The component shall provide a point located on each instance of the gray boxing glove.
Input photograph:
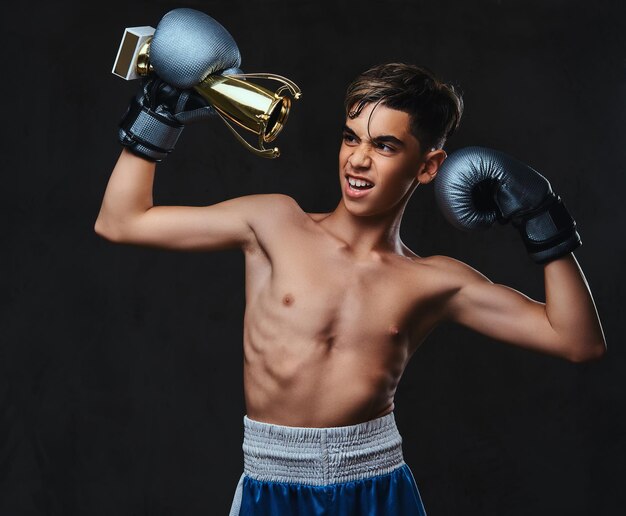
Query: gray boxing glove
(476, 186)
(187, 46)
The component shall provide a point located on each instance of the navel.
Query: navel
(288, 300)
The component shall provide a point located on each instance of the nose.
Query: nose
(359, 158)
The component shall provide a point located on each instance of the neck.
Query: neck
(367, 237)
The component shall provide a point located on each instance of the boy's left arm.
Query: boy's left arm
(477, 186)
(566, 325)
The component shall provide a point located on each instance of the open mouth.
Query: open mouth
(358, 184)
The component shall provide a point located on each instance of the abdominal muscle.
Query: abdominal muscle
(325, 339)
(311, 385)
(316, 384)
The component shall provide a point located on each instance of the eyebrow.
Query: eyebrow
(383, 138)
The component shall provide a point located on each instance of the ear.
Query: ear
(430, 166)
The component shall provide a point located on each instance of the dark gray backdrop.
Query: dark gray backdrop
(121, 366)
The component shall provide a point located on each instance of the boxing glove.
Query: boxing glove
(475, 186)
(187, 46)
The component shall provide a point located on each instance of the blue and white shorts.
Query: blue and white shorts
(354, 470)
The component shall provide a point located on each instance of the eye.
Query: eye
(385, 147)
(348, 137)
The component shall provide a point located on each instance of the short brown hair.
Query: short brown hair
(434, 107)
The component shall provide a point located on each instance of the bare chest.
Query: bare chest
(307, 288)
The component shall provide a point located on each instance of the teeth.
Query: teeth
(358, 182)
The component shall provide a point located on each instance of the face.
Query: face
(384, 161)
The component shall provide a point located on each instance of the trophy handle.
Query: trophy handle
(287, 84)
(262, 151)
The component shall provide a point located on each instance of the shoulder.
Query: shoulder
(269, 206)
(273, 200)
(272, 213)
(450, 283)
(451, 272)
(447, 264)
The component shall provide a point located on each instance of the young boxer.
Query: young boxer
(336, 304)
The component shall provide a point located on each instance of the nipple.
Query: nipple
(393, 330)
(288, 300)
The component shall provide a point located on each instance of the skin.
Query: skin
(336, 304)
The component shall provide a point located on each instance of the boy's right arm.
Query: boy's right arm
(148, 132)
(127, 214)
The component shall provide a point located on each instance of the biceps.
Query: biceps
(220, 226)
(505, 314)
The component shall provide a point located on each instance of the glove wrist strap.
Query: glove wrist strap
(148, 133)
(549, 231)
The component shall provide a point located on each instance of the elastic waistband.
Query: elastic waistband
(321, 456)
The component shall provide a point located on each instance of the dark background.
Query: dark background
(120, 367)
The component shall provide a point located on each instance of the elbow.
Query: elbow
(106, 231)
(589, 353)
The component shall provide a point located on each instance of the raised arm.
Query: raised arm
(566, 325)
(475, 187)
(127, 214)
(149, 131)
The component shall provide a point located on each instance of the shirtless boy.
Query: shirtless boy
(336, 304)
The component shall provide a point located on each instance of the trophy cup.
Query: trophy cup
(181, 51)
